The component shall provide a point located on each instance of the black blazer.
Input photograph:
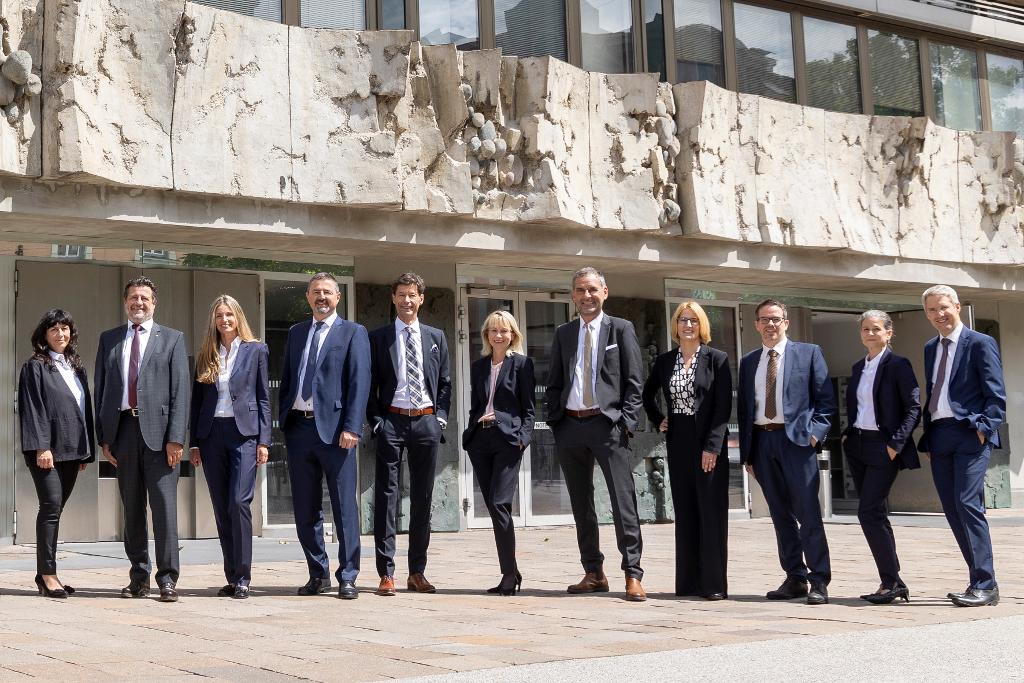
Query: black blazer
(619, 371)
(384, 375)
(897, 400)
(250, 397)
(513, 398)
(49, 414)
(712, 382)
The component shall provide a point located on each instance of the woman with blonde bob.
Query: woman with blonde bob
(230, 431)
(500, 427)
(695, 383)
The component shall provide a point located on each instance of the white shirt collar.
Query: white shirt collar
(58, 357)
(595, 324)
(147, 326)
(234, 345)
(780, 347)
(400, 326)
(328, 321)
(874, 361)
(954, 336)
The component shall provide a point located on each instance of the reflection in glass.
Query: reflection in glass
(832, 72)
(450, 21)
(530, 28)
(542, 318)
(264, 9)
(698, 41)
(340, 14)
(764, 52)
(1006, 91)
(654, 25)
(392, 14)
(895, 74)
(607, 38)
(547, 487)
(956, 88)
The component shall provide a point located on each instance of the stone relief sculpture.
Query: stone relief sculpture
(17, 82)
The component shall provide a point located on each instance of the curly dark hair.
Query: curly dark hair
(40, 347)
(140, 281)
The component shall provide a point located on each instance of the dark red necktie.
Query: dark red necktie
(133, 369)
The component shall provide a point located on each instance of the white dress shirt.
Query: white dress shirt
(866, 418)
(575, 401)
(70, 378)
(943, 409)
(325, 329)
(227, 363)
(402, 398)
(126, 354)
(760, 384)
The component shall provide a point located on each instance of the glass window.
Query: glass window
(450, 21)
(607, 40)
(264, 9)
(833, 79)
(956, 88)
(764, 52)
(343, 14)
(1006, 91)
(895, 74)
(530, 28)
(698, 41)
(654, 25)
(392, 14)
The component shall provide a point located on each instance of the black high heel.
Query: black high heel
(503, 589)
(58, 593)
(885, 596)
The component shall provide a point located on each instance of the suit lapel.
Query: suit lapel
(702, 379)
(961, 351)
(602, 340)
(571, 350)
(787, 369)
(331, 334)
(876, 388)
(502, 373)
(426, 342)
(151, 344)
(391, 337)
(240, 358)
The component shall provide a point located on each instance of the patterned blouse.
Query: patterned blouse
(681, 385)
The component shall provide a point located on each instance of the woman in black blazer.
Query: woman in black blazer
(883, 406)
(57, 435)
(499, 429)
(696, 385)
(230, 431)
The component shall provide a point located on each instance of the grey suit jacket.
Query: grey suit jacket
(163, 387)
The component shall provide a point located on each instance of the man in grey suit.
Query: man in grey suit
(593, 403)
(141, 390)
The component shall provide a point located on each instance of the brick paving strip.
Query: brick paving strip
(276, 635)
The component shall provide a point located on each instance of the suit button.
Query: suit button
(234, 398)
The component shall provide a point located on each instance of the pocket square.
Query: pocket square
(611, 346)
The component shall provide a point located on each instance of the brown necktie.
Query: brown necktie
(770, 408)
(588, 368)
(940, 381)
(133, 367)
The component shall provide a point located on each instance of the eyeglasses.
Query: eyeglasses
(770, 321)
(689, 322)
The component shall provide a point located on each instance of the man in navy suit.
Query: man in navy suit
(324, 385)
(785, 402)
(965, 407)
(408, 409)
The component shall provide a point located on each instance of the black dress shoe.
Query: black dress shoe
(792, 587)
(315, 587)
(714, 596)
(977, 597)
(227, 591)
(240, 592)
(167, 593)
(59, 593)
(952, 595)
(135, 590)
(884, 596)
(347, 590)
(818, 595)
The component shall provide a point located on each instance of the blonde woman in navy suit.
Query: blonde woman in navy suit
(501, 417)
(230, 428)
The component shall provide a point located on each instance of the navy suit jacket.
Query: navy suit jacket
(976, 391)
(513, 398)
(250, 397)
(897, 403)
(384, 380)
(341, 382)
(808, 401)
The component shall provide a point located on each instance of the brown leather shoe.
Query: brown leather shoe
(592, 582)
(387, 586)
(419, 584)
(634, 591)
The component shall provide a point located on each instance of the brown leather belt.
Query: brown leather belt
(583, 413)
(411, 412)
(770, 427)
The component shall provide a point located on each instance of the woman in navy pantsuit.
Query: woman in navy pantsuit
(230, 428)
(500, 426)
(883, 404)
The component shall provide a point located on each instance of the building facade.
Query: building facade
(841, 156)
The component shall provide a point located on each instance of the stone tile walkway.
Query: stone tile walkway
(276, 635)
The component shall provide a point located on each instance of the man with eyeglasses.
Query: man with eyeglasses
(785, 402)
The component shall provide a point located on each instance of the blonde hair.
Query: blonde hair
(208, 360)
(515, 346)
(703, 324)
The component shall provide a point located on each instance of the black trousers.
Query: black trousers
(580, 443)
(496, 466)
(144, 474)
(419, 437)
(701, 501)
(53, 488)
(873, 475)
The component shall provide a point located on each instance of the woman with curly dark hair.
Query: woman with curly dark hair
(57, 435)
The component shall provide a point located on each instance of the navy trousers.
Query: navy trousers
(229, 462)
(959, 462)
(788, 475)
(496, 466)
(873, 473)
(310, 462)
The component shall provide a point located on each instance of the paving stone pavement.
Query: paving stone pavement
(277, 635)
